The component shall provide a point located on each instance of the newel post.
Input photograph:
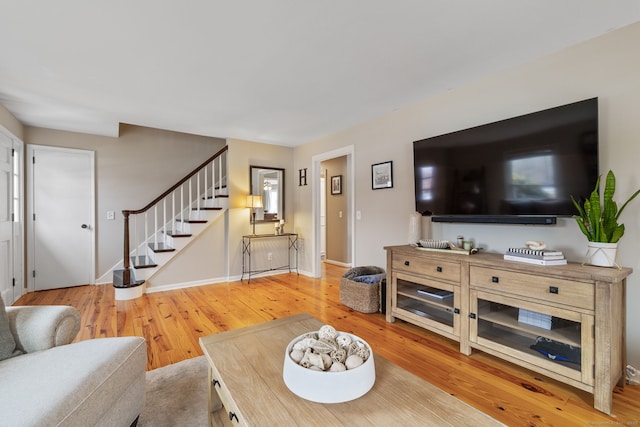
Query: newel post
(125, 257)
(125, 279)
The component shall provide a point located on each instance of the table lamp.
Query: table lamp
(254, 202)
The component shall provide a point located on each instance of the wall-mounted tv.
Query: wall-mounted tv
(521, 170)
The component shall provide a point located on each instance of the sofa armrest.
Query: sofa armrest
(40, 327)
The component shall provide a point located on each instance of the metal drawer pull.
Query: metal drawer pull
(456, 310)
(472, 315)
(553, 289)
(495, 279)
(232, 415)
(439, 269)
(406, 263)
(215, 382)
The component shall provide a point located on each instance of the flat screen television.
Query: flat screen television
(521, 170)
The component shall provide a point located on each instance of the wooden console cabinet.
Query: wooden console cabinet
(502, 308)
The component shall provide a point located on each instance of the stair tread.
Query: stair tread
(192, 221)
(178, 234)
(161, 247)
(143, 261)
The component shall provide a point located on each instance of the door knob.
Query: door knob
(84, 226)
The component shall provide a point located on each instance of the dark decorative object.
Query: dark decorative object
(302, 177)
(336, 184)
(382, 175)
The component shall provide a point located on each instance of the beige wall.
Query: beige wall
(131, 171)
(606, 67)
(242, 154)
(337, 218)
(11, 123)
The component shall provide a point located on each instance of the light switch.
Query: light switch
(111, 215)
(339, 214)
(358, 215)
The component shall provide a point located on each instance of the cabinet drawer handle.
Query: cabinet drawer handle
(232, 415)
(495, 279)
(553, 290)
(216, 383)
(456, 310)
(472, 315)
(439, 269)
(407, 263)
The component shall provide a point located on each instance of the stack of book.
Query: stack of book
(535, 256)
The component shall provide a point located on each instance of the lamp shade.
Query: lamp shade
(254, 201)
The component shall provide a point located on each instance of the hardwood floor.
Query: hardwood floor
(172, 322)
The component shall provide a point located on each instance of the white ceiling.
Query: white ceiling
(278, 71)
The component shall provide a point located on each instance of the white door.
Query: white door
(323, 216)
(62, 218)
(11, 252)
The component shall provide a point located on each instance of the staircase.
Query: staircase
(168, 224)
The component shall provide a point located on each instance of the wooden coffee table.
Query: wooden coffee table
(247, 389)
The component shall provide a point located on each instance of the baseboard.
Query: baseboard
(341, 264)
(183, 285)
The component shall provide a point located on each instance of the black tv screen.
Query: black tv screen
(519, 170)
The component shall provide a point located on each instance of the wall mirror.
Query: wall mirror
(269, 183)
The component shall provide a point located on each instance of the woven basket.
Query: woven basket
(362, 297)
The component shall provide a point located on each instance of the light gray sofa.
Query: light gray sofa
(46, 381)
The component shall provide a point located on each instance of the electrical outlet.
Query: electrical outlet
(270, 256)
(111, 215)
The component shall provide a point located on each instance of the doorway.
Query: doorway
(11, 218)
(348, 185)
(61, 218)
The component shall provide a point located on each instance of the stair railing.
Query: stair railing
(205, 182)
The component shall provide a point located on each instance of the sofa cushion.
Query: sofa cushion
(7, 340)
(74, 384)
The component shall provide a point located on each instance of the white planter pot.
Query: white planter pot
(602, 254)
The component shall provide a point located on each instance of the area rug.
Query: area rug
(176, 395)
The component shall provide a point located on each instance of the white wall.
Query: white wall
(607, 67)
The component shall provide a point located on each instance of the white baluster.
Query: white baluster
(135, 240)
(164, 221)
(146, 235)
(155, 226)
(213, 182)
(198, 195)
(190, 200)
(206, 188)
(182, 207)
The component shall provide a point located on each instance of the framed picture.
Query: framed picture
(336, 184)
(382, 175)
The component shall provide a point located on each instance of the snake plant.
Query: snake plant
(599, 220)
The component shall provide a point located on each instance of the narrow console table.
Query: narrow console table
(500, 307)
(291, 239)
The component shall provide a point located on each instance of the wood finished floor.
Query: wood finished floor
(172, 322)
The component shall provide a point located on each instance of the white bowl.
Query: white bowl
(434, 244)
(329, 387)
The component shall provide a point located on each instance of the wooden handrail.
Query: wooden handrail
(178, 184)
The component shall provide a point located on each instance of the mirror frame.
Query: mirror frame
(254, 169)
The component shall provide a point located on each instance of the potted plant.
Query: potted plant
(598, 220)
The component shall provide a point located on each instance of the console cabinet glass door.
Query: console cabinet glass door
(428, 302)
(554, 339)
